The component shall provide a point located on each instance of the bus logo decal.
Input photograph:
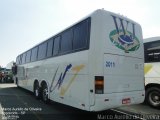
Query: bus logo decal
(76, 69)
(59, 83)
(61, 78)
(122, 38)
(53, 81)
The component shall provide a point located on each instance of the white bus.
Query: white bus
(152, 71)
(95, 64)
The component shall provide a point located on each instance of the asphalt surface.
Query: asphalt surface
(142, 110)
(19, 104)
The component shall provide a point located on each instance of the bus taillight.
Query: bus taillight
(99, 84)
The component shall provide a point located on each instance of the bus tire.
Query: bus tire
(45, 93)
(153, 97)
(36, 90)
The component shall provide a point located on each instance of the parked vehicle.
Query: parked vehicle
(95, 64)
(152, 71)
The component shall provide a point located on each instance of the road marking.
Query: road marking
(128, 114)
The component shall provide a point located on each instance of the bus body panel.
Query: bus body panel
(116, 99)
(151, 68)
(122, 74)
(75, 79)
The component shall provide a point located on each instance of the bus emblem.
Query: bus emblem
(122, 38)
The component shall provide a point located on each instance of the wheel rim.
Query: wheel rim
(36, 91)
(154, 98)
(45, 94)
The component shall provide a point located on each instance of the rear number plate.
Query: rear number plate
(126, 101)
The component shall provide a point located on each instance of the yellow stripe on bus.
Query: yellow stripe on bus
(76, 69)
(147, 68)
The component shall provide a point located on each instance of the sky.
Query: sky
(25, 23)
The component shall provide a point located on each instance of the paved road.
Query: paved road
(143, 110)
(18, 104)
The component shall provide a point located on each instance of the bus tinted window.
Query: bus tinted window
(56, 46)
(28, 56)
(18, 60)
(66, 41)
(152, 51)
(42, 51)
(34, 54)
(50, 48)
(75, 38)
(80, 35)
(23, 58)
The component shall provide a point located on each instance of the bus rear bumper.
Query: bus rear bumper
(114, 100)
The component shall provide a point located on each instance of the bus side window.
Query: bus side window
(34, 54)
(42, 51)
(80, 35)
(23, 58)
(152, 52)
(56, 46)
(50, 48)
(28, 56)
(66, 41)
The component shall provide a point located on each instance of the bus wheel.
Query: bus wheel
(45, 93)
(36, 90)
(153, 97)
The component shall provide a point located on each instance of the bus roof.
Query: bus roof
(151, 39)
(89, 15)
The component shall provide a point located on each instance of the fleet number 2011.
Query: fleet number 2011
(110, 64)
